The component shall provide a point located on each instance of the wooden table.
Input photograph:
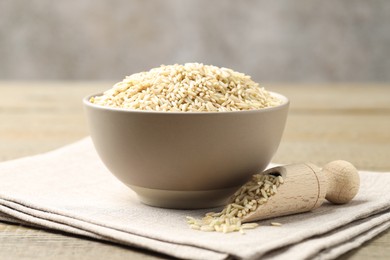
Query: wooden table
(325, 122)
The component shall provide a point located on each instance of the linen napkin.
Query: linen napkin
(70, 190)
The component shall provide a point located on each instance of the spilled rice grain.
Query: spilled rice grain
(242, 203)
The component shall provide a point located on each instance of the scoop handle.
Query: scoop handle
(343, 181)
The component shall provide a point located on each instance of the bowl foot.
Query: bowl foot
(183, 199)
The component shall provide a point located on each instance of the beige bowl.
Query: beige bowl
(185, 159)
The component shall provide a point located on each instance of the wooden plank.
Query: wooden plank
(325, 123)
(18, 242)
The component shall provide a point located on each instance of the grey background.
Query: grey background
(291, 41)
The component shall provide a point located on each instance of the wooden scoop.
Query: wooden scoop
(306, 186)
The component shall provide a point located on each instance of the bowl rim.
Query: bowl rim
(284, 99)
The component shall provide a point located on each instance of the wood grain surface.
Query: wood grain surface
(325, 123)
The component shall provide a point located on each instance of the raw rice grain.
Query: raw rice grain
(243, 203)
(192, 87)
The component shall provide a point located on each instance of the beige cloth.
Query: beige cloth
(70, 190)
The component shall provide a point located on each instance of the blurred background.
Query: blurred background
(273, 41)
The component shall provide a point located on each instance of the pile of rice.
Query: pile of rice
(192, 87)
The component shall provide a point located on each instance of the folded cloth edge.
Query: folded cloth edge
(34, 217)
(343, 248)
(310, 248)
(45, 219)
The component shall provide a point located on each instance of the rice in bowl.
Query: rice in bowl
(192, 87)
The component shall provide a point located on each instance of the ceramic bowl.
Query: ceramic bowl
(185, 159)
